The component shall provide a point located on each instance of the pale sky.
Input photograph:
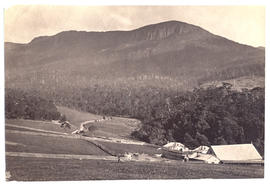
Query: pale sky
(243, 24)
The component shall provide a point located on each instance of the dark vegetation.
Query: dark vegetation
(204, 116)
(216, 115)
(29, 105)
(127, 101)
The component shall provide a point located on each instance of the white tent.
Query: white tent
(236, 153)
(175, 146)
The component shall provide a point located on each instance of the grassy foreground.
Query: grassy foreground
(39, 169)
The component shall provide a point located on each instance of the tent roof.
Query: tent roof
(173, 144)
(236, 152)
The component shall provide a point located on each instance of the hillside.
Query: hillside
(174, 53)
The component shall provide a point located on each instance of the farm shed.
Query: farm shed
(236, 153)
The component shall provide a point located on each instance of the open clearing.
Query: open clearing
(41, 150)
(116, 127)
(76, 117)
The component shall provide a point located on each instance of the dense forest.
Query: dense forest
(29, 105)
(203, 116)
(212, 116)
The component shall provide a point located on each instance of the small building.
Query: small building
(236, 153)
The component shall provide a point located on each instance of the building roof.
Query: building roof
(236, 152)
(175, 146)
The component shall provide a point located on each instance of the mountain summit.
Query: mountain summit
(169, 50)
(166, 29)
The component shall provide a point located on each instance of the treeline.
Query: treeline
(203, 116)
(29, 105)
(140, 102)
(212, 116)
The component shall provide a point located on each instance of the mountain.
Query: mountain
(175, 52)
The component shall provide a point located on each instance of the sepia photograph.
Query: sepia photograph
(130, 92)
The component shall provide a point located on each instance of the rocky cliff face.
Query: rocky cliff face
(165, 30)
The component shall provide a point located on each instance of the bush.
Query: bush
(28, 105)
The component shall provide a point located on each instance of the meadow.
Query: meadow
(39, 169)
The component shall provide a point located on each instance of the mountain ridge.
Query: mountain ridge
(170, 49)
(143, 28)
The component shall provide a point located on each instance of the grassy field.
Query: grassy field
(118, 148)
(38, 169)
(46, 144)
(116, 127)
(44, 125)
(19, 129)
(76, 117)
